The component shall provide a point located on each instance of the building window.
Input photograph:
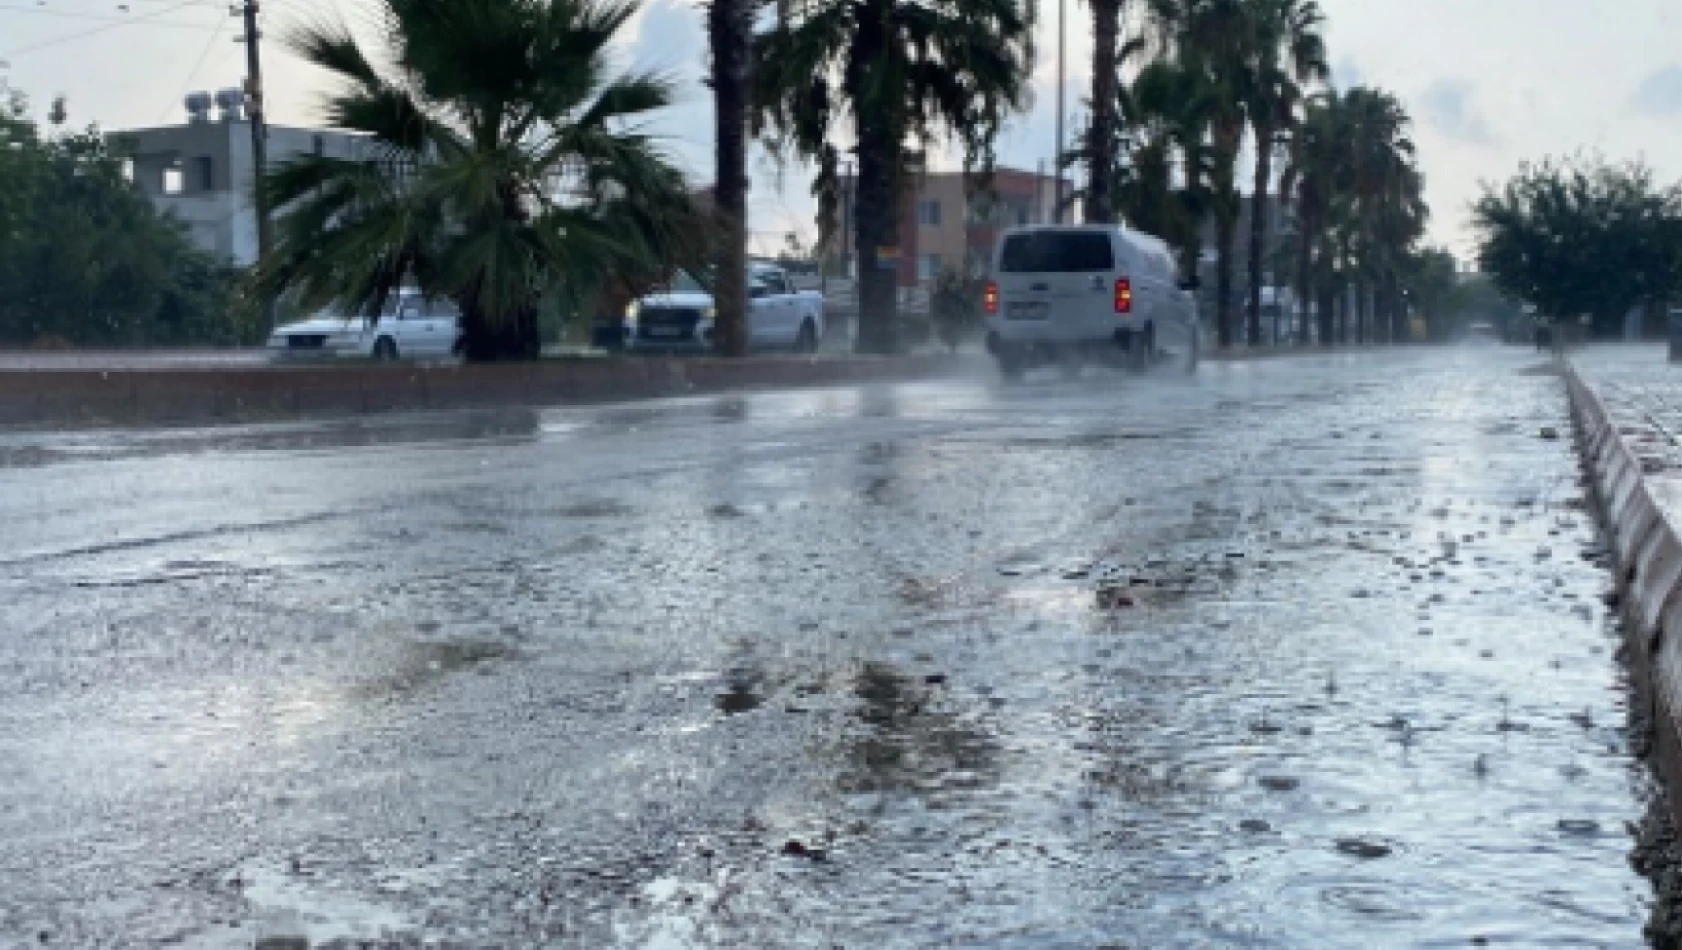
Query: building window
(204, 173)
(928, 213)
(928, 267)
(319, 144)
(172, 181)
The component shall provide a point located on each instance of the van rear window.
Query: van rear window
(1056, 252)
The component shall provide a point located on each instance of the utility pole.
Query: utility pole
(259, 128)
(1057, 168)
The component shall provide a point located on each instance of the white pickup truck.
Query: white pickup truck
(681, 317)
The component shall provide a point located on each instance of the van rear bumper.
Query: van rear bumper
(1065, 331)
(1120, 339)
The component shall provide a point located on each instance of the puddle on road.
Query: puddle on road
(38, 449)
(422, 663)
(289, 904)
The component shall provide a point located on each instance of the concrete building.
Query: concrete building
(942, 226)
(201, 171)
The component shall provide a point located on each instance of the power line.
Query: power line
(215, 34)
(95, 17)
(71, 37)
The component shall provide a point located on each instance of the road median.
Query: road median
(1628, 457)
(211, 395)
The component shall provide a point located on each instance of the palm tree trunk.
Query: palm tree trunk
(1400, 331)
(1100, 136)
(515, 338)
(1362, 319)
(877, 215)
(1383, 315)
(1305, 273)
(1228, 134)
(1378, 329)
(1343, 335)
(1258, 227)
(728, 25)
(1328, 314)
(1226, 236)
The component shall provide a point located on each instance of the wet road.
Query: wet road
(1302, 653)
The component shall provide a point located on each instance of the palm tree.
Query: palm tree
(1386, 191)
(502, 163)
(1360, 206)
(1314, 178)
(1291, 54)
(730, 34)
(1102, 132)
(1165, 189)
(1217, 39)
(905, 74)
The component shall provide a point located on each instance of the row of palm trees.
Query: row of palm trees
(505, 159)
(1171, 110)
(1163, 153)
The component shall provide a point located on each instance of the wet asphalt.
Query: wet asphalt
(1296, 653)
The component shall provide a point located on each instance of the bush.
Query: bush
(86, 260)
(955, 306)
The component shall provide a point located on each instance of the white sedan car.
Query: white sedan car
(410, 327)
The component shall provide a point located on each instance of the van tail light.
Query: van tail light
(990, 297)
(1123, 295)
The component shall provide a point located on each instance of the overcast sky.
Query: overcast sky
(1490, 83)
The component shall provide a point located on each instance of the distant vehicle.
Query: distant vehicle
(1483, 332)
(681, 318)
(1100, 292)
(409, 327)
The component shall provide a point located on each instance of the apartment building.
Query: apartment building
(946, 224)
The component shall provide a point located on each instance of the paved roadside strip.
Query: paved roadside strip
(1627, 405)
(176, 395)
(1632, 456)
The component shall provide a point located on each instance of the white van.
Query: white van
(1104, 292)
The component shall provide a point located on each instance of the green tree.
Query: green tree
(1290, 58)
(1430, 279)
(1315, 179)
(503, 161)
(1164, 187)
(85, 259)
(1218, 40)
(1582, 236)
(905, 74)
(1360, 209)
(1387, 203)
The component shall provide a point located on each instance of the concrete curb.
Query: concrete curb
(266, 393)
(1648, 549)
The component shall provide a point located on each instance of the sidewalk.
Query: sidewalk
(1642, 395)
(1627, 403)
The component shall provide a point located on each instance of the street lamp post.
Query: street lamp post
(1057, 153)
